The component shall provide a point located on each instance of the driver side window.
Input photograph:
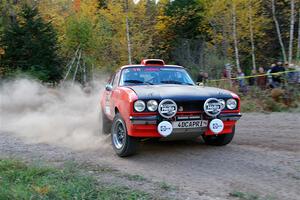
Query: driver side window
(116, 80)
(111, 79)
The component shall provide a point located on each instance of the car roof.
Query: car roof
(132, 66)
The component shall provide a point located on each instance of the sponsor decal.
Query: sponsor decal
(216, 126)
(165, 128)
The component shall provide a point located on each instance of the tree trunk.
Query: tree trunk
(292, 23)
(298, 46)
(252, 38)
(234, 33)
(77, 66)
(128, 34)
(278, 31)
(224, 43)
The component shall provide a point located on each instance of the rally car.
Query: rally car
(154, 100)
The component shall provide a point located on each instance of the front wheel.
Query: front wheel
(219, 140)
(123, 144)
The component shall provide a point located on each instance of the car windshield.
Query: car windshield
(155, 76)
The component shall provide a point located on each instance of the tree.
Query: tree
(278, 30)
(234, 35)
(30, 46)
(292, 23)
(128, 33)
(298, 46)
(252, 36)
(179, 31)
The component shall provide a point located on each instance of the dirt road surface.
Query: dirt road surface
(263, 160)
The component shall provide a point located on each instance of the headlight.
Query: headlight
(139, 105)
(222, 101)
(231, 104)
(152, 105)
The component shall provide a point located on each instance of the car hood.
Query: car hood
(179, 92)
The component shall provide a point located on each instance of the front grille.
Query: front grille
(190, 106)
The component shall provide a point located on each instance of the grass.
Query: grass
(249, 196)
(134, 177)
(166, 187)
(21, 181)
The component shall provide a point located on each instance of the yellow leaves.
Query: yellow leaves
(41, 190)
(163, 23)
(219, 17)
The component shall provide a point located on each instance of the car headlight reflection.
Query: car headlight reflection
(152, 105)
(139, 106)
(231, 104)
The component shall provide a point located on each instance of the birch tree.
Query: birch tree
(128, 33)
(252, 36)
(298, 46)
(234, 35)
(292, 24)
(278, 30)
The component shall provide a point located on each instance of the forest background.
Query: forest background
(42, 37)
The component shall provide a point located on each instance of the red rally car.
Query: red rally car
(154, 100)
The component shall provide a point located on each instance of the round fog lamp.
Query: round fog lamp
(139, 106)
(152, 105)
(231, 104)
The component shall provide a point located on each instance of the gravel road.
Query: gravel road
(262, 160)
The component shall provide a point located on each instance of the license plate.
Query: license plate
(190, 124)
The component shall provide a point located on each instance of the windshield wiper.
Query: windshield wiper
(133, 81)
(175, 82)
(138, 82)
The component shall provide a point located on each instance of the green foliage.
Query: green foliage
(79, 31)
(165, 186)
(30, 46)
(197, 34)
(20, 181)
(186, 17)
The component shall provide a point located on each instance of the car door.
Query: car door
(110, 95)
(107, 96)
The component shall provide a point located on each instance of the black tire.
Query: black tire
(123, 144)
(219, 140)
(105, 124)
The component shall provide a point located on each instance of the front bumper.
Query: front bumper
(146, 126)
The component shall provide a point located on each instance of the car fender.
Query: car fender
(122, 100)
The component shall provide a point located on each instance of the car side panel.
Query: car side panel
(121, 100)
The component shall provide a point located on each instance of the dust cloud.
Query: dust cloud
(66, 116)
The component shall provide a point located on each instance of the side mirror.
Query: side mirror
(199, 83)
(108, 87)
